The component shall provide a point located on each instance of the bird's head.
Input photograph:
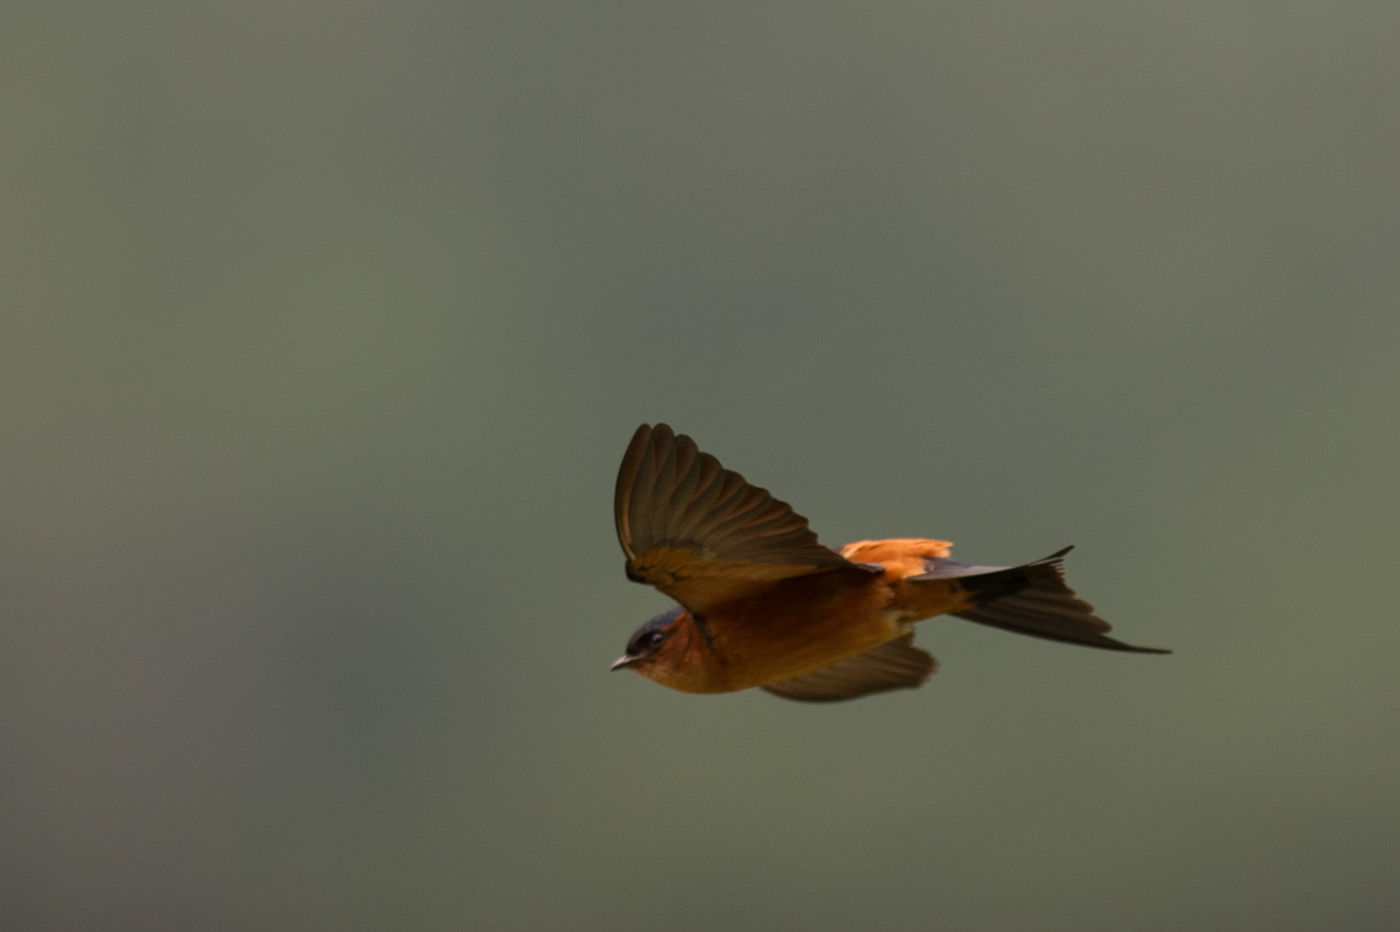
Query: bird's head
(662, 649)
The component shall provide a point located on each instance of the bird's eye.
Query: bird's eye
(654, 639)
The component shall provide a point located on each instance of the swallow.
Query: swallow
(762, 603)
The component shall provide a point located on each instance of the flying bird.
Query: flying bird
(763, 604)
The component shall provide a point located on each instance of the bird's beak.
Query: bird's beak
(626, 660)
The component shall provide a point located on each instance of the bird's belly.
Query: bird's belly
(778, 639)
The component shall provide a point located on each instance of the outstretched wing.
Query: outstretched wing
(699, 532)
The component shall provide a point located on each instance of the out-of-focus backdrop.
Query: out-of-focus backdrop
(325, 327)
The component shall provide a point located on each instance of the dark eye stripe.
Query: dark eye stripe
(647, 641)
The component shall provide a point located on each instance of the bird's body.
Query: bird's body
(764, 604)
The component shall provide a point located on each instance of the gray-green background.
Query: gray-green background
(325, 326)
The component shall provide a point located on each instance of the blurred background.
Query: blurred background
(325, 327)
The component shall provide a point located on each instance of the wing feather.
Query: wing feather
(897, 664)
(700, 532)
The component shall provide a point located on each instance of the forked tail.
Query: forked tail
(1030, 599)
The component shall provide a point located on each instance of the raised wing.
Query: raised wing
(897, 664)
(699, 532)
